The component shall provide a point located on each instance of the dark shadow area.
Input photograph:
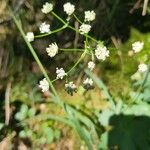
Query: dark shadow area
(129, 133)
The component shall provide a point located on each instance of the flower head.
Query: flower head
(91, 65)
(89, 15)
(85, 28)
(101, 52)
(30, 36)
(69, 8)
(136, 76)
(44, 85)
(142, 68)
(44, 28)
(137, 46)
(70, 88)
(52, 50)
(47, 7)
(60, 73)
(88, 84)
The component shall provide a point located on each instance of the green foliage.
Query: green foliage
(44, 134)
(22, 87)
(39, 125)
(25, 112)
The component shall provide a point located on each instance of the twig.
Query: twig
(144, 7)
(7, 103)
(5, 143)
(76, 35)
(136, 6)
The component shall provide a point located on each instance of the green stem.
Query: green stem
(55, 96)
(51, 117)
(72, 50)
(77, 19)
(60, 19)
(36, 59)
(52, 32)
(79, 60)
(72, 28)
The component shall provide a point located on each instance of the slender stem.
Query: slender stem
(77, 19)
(37, 59)
(76, 124)
(60, 19)
(51, 117)
(52, 32)
(54, 80)
(72, 50)
(74, 29)
(79, 60)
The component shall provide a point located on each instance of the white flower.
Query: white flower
(89, 15)
(44, 85)
(52, 50)
(70, 88)
(101, 52)
(142, 68)
(44, 28)
(91, 65)
(88, 81)
(60, 73)
(70, 85)
(47, 7)
(136, 76)
(84, 28)
(137, 46)
(69, 8)
(30, 36)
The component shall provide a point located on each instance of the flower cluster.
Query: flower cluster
(44, 28)
(52, 50)
(137, 46)
(88, 84)
(70, 88)
(60, 73)
(44, 85)
(85, 28)
(91, 65)
(30, 36)
(101, 52)
(142, 68)
(47, 7)
(89, 15)
(69, 8)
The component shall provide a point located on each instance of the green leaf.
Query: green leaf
(22, 134)
(20, 116)
(49, 135)
(24, 109)
(31, 112)
(81, 131)
(57, 134)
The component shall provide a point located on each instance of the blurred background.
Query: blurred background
(118, 23)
